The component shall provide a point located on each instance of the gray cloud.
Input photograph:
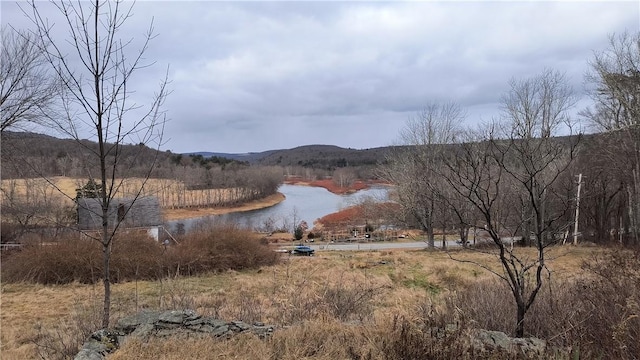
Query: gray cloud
(254, 76)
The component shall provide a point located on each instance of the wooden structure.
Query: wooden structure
(127, 213)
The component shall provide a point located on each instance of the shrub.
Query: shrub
(609, 306)
(74, 259)
(9, 232)
(421, 339)
(62, 340)
(350, 299)
(137, 257)
(68, 260)
(223, 247)
(597, 315)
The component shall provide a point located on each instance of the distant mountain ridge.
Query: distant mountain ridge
(320, 156)
(325, 157)
(251, 157)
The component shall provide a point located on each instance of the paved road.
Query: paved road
(386, 245)
(377, 246)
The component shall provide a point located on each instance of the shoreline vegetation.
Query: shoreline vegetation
(329, 184)
(269, 201)
(68, 186)
(187, 213)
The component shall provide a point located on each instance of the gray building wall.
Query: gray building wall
(144, 212)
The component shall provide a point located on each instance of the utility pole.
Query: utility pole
(575, 226)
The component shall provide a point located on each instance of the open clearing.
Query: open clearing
(400, 281)
(172, 194)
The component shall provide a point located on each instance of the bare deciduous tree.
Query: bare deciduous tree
(614, 84)
(615, 90)
(344, 177)
(514, 174)
(412, 169)
(27, 91)
(96, 68)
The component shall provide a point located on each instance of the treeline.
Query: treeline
(207, 162)
(608, 202)
(516, 176)
(32, 200)
(515, 180)
(325, 157)
(30, 155)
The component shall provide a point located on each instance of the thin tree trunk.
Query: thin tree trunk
(106, 310)
(520, 317)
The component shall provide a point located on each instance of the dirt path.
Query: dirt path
(179, 214)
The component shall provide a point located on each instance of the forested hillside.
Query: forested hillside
(41, 174)
(66, 157)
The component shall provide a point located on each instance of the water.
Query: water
(302, 203)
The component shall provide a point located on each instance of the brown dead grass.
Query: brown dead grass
(179, 214)
(64, 190)
(67, 186)
(288, 294)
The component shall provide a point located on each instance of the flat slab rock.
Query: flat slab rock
(164, 324)
(486, 340)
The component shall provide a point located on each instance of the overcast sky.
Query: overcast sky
(256, 76)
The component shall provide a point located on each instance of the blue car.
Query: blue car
(302, 250)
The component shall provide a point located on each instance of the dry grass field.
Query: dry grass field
(320, 304)
(176, 200)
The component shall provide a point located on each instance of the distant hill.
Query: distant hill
(51, 156)
(252, 157)
(54, 151)
(325, 156)
(59, 155)
(313, 156)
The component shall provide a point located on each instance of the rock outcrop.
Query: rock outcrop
(491, 342)
(488, 341)
(160, 324)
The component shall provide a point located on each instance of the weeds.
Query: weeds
(350, 299)
(136, 257)
(63, 340)
(324, 308)
(597, 315)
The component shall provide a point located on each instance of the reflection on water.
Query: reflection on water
(302, 203)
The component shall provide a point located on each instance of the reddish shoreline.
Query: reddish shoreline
(329, 184)
(184, 213)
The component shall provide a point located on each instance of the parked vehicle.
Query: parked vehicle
(302, 250)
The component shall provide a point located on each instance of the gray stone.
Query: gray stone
(99, 344)
(195, 322)
(87, 354)
(215, 322)
(485, 340)
(239, 326)
(172, 317)
(205, 328)
(491, 340)
(191, 315)
(143, 330)
(165, 333)
(184, 323)
(529, 345)
(165, 325)
(263, 331)
(96, 346)
(220, 331)
(128, 324)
